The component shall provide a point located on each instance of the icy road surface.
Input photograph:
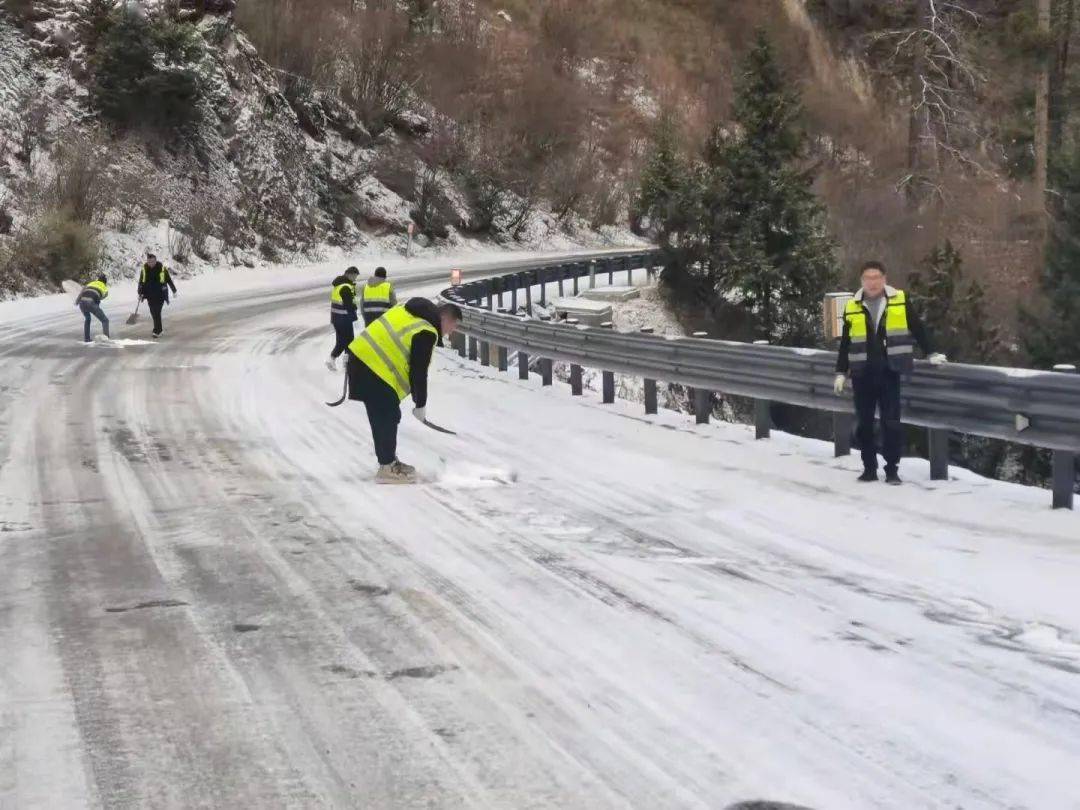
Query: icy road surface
(205, 602)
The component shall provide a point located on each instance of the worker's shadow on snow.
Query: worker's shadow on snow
(760, 805)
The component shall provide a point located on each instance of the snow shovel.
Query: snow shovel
(134, 316)
(438, 429)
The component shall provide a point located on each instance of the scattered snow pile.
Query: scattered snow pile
(118, 343)
(466, 475)
(649, 311)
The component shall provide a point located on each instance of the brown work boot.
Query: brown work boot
(396, 473)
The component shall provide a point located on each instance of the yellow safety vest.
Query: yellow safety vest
(99, 287)
(385, 347)
(161, 276)
(337, 305)
(377, 298)
(899, 344)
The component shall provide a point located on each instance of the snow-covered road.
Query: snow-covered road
(205, 602)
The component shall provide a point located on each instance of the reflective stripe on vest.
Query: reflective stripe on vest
(98, 290)
(385, 347)
(377, 298)
(161, 275)
(337, 305)
(899, 343)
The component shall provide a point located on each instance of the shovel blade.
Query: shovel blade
(132, 318)
(439, 429)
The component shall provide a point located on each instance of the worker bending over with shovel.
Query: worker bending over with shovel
(387, 362)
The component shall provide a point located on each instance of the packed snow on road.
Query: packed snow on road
(205, 601)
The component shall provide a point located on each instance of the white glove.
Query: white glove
(420, 414)
(838, 384)
(937, 359)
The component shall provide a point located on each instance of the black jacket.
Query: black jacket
(423, 347)
(348, 297)
(877, 355)
(151, 285)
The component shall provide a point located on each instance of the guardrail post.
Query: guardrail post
(545, 371)
(1063, 464)
(651, 405)
(575, 380)
(513, 293)
(1064, 478)
(504, 357)
(630, 273)
(607, 377)
(491, 299)
(762, 418)
(608, 386)
(610, 271)
(702, 405)
(561, 272)
(841, 430)
(577, 277)
(592, 274)
(523, 365)
(762, 407)
(500, 283)
(939, 454)
(542, 276)
(649, 261)
(528, 294)
(485, 353)
(473, 347)
(457, 343)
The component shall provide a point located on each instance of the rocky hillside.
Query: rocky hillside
(243, 131)
(158, 124)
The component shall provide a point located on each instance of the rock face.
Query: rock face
(267, 164)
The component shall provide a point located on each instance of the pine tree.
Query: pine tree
(662, 181)
(954, 312)
(144, 70)
(760, 226)
(1053, 336)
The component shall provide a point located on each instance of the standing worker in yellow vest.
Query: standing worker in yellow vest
(881, 330)
(377, 297)
(155, 281)
(89, 303)
(342, 313)
(388, 361)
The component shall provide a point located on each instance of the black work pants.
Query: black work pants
(383, 407)
(155, 305)
(371, 317)
(878, 389)
(343, 329)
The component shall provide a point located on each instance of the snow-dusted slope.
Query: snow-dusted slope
(204, 602)
(265, 176)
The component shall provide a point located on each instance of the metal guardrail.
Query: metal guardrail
(1036, 408)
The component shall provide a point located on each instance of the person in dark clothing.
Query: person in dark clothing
(390, 360)
(155, 281)
(342, 313)
(881, 330)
